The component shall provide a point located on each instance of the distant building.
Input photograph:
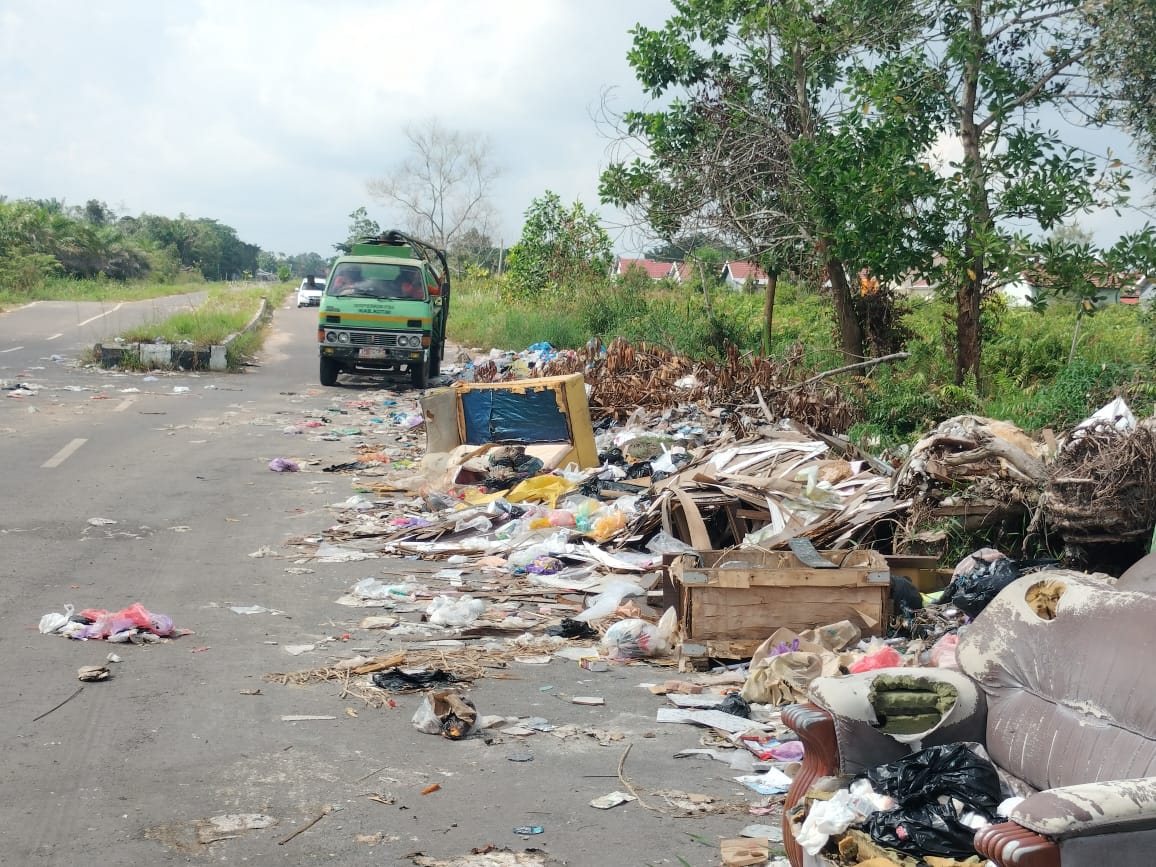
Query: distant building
(737, 275)
(653, 269)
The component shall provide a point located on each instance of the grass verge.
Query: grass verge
(227, 310)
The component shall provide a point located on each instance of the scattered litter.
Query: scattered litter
(606, 802)
(298, 649)
(590, 700)
(93, 673)
(771, 782)
(446, 712)
(253, 609)
(283, 465)
(710, 718)
(772, 833)
(263, 551)
(528, 830)
(100, 522)
(306, 717)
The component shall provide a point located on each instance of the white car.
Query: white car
(310, 295)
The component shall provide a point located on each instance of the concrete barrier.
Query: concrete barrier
(179, 356)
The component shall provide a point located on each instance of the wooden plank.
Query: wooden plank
(741, 578)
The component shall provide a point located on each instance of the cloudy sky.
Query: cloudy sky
(272, 116)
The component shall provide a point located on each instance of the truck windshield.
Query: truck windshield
(371, 280)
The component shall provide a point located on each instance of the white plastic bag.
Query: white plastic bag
(635, 638)
(610, 598)
(454, 611)
(52, 622)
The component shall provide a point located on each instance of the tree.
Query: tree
(1124, 67)
(559, 246)
(360, 226)
(443, 188)
(757, 88)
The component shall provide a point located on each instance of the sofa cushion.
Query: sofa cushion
(1070, 699)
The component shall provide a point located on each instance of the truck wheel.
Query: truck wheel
(417, 375)
(329, 371)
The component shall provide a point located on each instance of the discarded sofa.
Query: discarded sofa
(1059, 687)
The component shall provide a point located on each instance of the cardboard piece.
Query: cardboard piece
(744, 852)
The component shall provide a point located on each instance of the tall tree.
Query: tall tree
(755, 88)
(442, 189)
(559, 246)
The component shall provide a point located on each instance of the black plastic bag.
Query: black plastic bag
(934, 787)
(735, 705)
(396, 680)
(570, 628)
(979, 581)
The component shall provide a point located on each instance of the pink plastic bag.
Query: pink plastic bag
(943, 652)
(884, 657)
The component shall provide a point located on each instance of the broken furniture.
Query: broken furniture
(549, 416)
(729, 601)
(1067, 711)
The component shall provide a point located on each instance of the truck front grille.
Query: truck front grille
(372, 338)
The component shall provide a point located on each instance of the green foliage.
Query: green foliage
(560, 246)
(40, 238)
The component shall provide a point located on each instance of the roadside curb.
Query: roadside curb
(180, 356)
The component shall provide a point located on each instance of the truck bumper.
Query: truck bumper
(373, 356)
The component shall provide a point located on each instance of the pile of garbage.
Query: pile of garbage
(132, 625)
(1101, 486)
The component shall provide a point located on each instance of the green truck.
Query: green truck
(385, 308)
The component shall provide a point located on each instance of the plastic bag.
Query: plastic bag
(943, 652)
(53, 622)
(977, 579)
(664, 543)
(610, 598)
(635, 638)
(934, 788)
(451, 611)
(883, 657)
(607, 524)
(540, 489)
(446, 712)
(283, 465)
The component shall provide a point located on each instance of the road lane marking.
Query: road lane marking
(54, 336)
(64, 454)
(124, 404)
(100, 315)
(13, 349)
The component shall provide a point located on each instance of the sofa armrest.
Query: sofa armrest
(1089, 809)
(816, 729)
(1009, 844)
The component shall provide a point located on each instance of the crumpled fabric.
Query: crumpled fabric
(783, 667)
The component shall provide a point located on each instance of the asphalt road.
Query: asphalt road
(128, 770)
(41, 334)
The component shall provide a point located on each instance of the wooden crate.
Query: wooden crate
(922, 571)
(732, 600)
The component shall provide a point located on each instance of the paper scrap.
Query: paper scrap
(711, 718)
(606, 802)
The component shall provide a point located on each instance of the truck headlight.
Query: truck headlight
(343, 337)
(331, 336)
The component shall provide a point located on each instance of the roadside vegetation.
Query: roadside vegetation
(226, 311)
(1030, 380)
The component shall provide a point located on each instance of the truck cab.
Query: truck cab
(385, 308)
